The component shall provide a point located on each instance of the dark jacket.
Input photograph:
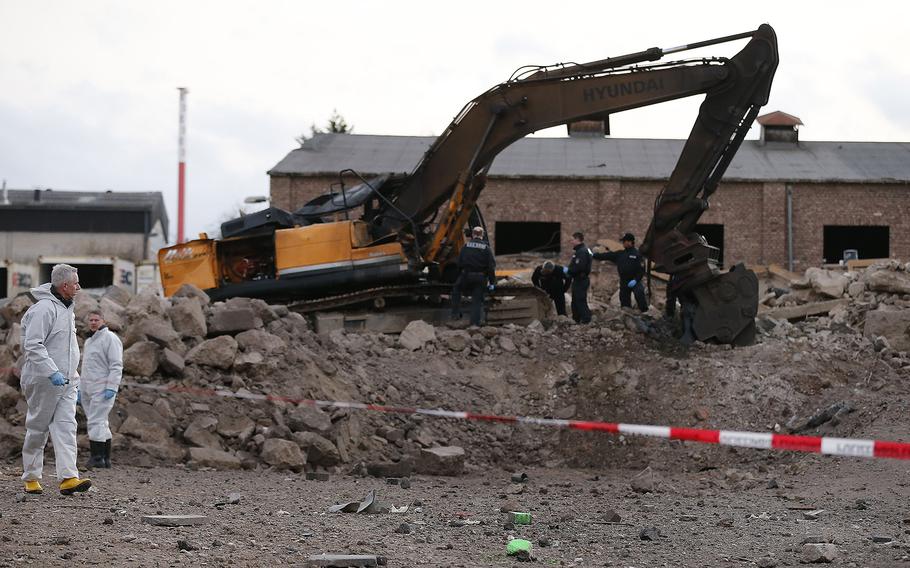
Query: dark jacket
(555, 283)
(580, 265)
(477, 256)
(629, 263)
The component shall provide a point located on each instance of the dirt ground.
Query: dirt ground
(281, 519)
(704, 505)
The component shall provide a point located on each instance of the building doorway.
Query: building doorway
(714, 234)
(4, 278)
(869, 242)
(527, 236)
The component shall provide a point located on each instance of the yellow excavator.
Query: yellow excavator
(400, 234)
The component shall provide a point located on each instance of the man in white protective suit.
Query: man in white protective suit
(49, 380)
(102, 367)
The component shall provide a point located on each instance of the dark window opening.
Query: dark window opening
(532, 236)
(90, 275)
(714, 234)
(869, 242)
(4, 291)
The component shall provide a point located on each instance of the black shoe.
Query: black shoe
(107, 454)
(97, 459)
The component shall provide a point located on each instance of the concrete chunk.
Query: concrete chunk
(175, 520)
(443, 460)
(342, 560)
(233, 320)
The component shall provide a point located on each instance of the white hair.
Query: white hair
(477, 232)
(62, 273)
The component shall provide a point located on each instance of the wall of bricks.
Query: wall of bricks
(753, 214)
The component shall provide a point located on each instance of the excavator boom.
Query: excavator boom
(415, 221)
(454, 168)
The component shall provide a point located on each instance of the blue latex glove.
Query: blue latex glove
(491, 287)
(78, 396)
(565, 270)
(632, 283)
(57, 379)
(109, 394)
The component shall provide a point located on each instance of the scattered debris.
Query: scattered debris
(519, 518)
(175, 520)
(818, 553)
(341, 561)
(368, 506)
(649, 533)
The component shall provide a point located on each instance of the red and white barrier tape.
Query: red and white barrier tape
(833, 446)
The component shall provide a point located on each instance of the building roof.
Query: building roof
(611, 158)
(151, 202)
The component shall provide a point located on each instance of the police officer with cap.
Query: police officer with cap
(478, 274)
(630, 265)
(579, 271)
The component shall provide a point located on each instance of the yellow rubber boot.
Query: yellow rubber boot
(74, 484)
(32, 486)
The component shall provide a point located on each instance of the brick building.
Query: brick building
(782, 200)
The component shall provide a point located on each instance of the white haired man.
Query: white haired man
(49, 380)
(102, 368)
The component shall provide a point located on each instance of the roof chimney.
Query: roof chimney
(779, 127)
(589, 128)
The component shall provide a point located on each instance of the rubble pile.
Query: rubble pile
(811, 375)
(874, 302)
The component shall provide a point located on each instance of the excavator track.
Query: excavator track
(501, 295)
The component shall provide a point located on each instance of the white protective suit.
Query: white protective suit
(49, 345)
(102, 367)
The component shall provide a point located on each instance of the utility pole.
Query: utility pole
(181, 166)
(5, 195)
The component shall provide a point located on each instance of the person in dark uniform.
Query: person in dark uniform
(579, 271)
(477, 275)
(552, 279)
(630, 265)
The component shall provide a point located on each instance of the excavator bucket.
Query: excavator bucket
(726, 307)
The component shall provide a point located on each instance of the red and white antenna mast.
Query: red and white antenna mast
(181, 165)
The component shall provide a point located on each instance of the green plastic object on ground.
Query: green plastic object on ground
(517, 545)
(519, 518)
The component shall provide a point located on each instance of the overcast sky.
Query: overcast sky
(88, 97)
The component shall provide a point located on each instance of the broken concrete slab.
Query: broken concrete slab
(887, 280)
(233, 320)
(892, 324)
(219, 352)
(283, 454)
(441, 460)
(341, 560)
(827, 282)
(818, 553)
(175, 520)
(216, 459)
(417, 334)
(141, 359)
(188, 318)
(644, 482)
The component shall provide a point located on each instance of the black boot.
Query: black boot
(107, 454)
(97, 459)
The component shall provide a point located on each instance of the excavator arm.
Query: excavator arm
(453, 170)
